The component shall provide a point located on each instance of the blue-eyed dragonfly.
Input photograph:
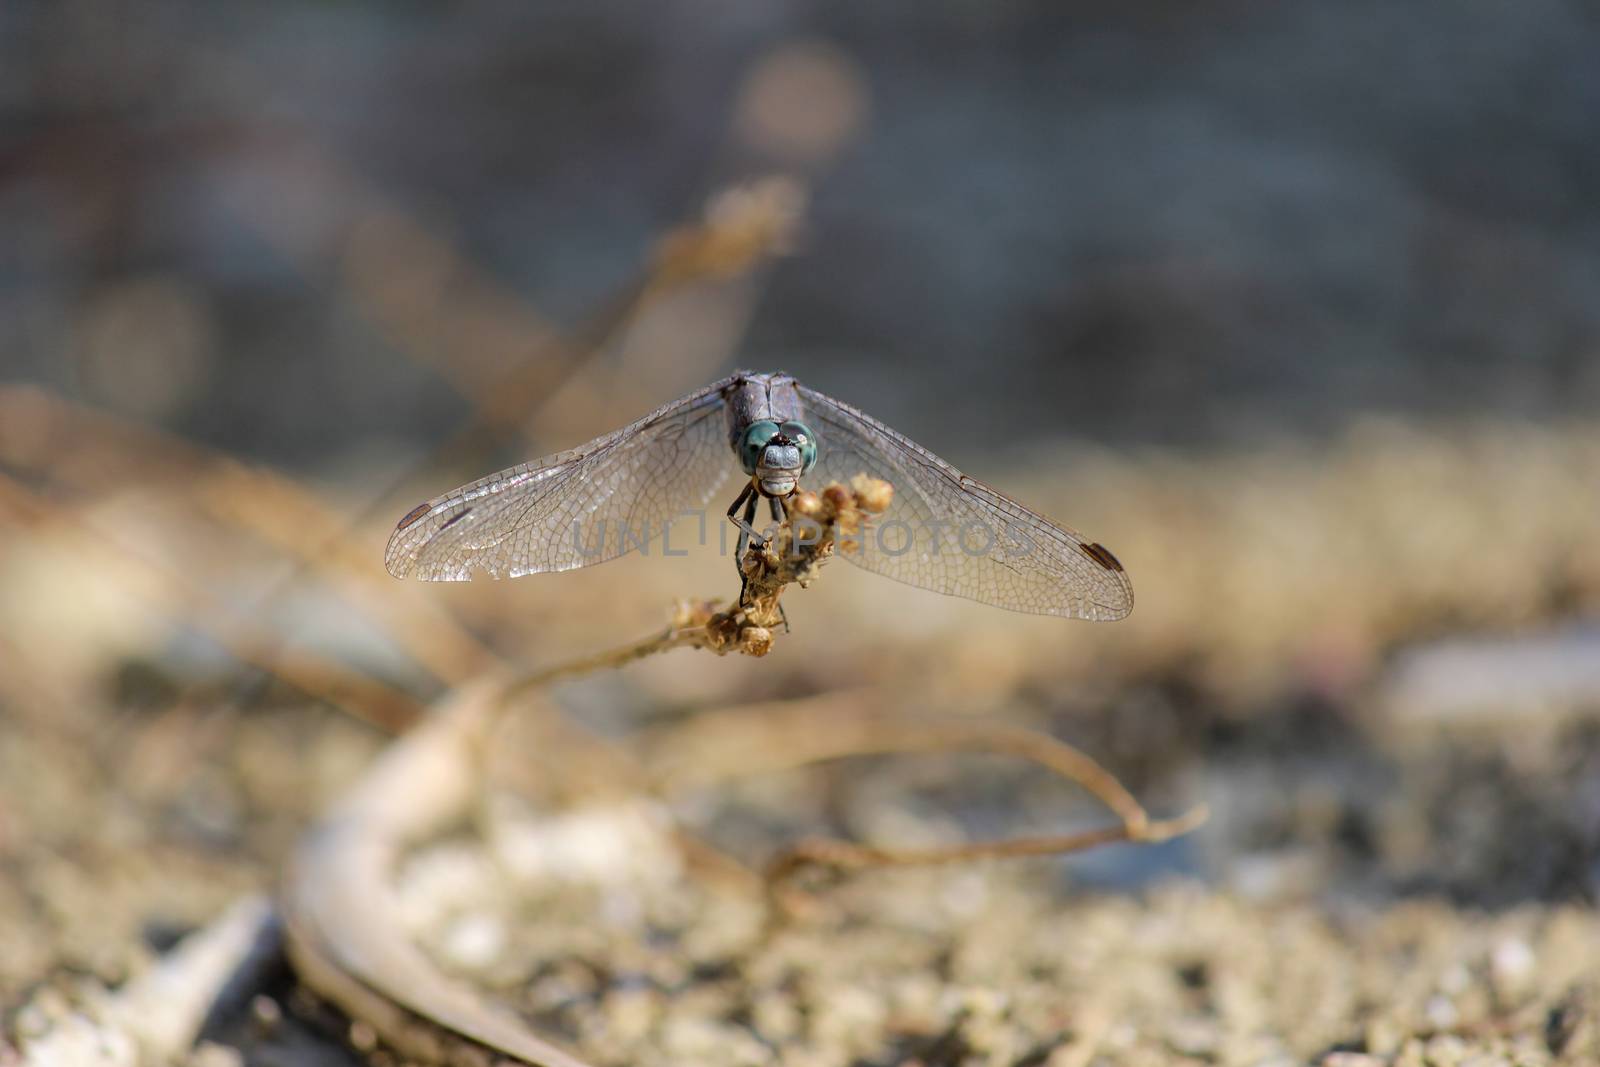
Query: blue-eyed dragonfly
(943, 530)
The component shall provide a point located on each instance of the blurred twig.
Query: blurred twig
(738, 744)
(360, 696)
(849, 856)
(92, 449)
(717, 746)
(743, 226)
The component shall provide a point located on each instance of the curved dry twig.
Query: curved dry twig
(342, 923)
(717, 746)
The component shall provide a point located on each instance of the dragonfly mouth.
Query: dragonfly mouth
(777, 483)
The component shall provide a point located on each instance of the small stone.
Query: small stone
(266, 1012)
(1566, 1022)
(1350, 1059)
(632, 1013)
(984, 1003)
(363, 1038)
(708, 1041)
(1445, 1050)
(848, 1019)
(1412, 1054)
(1441, 1013)
(1195, 1036)
(776, 1017)
(1456, 980)
(474, 941)
(1383, 1037)
(211, 1054)
(1277, 1059)
(31, 1021)
(1511, 968)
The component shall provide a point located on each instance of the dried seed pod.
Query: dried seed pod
(755, 640)
(806, 503)
(837, 498)
(872, 494)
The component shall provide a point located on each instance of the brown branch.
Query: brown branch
(742, 743)
(356, 694)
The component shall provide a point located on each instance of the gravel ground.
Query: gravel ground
(1399, 868)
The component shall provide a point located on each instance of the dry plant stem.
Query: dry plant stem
(610, 659)
(359, 696)
(721, 746)
(256, 499)
(847, 855)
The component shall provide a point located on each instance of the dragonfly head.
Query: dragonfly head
(777, 454)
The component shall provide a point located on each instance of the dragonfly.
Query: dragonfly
(943, 531)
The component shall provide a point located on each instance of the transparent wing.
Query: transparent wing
(954, 534)
(569, 510)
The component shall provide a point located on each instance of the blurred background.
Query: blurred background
(1295, 306)
(1170, 223)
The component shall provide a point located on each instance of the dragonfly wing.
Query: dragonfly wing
(953, 534)
(578, 507)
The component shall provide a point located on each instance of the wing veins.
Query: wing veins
(454, 547)
(1054, 564)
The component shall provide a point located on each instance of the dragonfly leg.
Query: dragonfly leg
(780, 515)
(746, 494)
(744, 541)
(749, 499)
(744, 531)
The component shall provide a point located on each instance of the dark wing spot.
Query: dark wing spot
(1102, 555)
(413, 515)
(452, 520)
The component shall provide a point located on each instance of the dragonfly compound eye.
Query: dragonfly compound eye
(805, 440)
(755, 442)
